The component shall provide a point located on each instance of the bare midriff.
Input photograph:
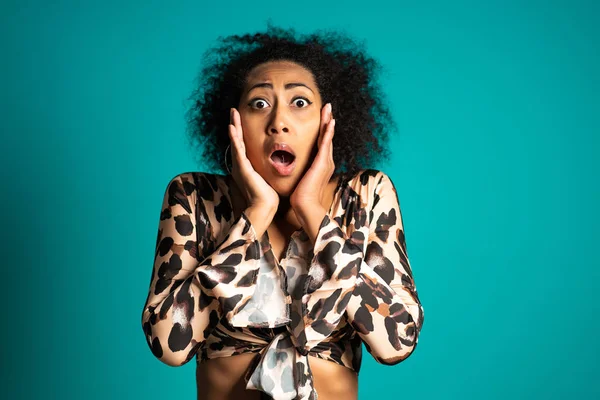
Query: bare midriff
(223, 379)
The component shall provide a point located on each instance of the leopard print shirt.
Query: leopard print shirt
(217, 289)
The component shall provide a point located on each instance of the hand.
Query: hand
(261, 199)
(308, 195)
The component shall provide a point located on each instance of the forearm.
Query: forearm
(380, 300)
(182, 308)
(388, 317)
(311, 218)
(174, 328)
(260, 218)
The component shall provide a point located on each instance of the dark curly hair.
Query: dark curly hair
(345, 76)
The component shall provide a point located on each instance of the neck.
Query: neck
(285, 214)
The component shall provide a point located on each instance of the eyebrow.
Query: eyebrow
(270, 86)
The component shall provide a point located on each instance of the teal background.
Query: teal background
(496, 166)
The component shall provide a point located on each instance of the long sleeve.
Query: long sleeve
(363, 271)
(194, 281)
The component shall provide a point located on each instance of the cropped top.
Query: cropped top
(218, 290)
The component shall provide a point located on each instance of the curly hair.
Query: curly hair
(345, 76)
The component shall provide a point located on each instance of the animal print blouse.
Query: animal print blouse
(217, 290)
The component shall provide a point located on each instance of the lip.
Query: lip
(283, 170)
(281, 146)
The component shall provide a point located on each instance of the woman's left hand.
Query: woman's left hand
(308, 195)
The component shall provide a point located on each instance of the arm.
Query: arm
(366, 275)
(194, 283)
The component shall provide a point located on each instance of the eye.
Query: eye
(301, 102)
(258, 103)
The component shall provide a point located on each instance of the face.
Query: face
(280, 110)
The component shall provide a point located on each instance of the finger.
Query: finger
(232, 130)
(328, 140)
(325, 119)
(327, 132)
(233, 146)
(325, 111)
(237, 120)
(331, 132)
(238, 150)
(237, 145)
(327, 156)
(325, 150)
(232, 121)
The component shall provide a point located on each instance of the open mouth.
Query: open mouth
(282, 157)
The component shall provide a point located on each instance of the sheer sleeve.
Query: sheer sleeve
(365, 274)
(195, 282)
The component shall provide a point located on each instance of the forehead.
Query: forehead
(280, 71)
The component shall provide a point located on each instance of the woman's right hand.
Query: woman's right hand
(261, 199)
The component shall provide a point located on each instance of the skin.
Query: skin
(280, 205)
(268, 115)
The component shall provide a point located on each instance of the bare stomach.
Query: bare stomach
(223, 379)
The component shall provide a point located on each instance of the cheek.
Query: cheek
(254, 149)
(252, 139)
(306, 146)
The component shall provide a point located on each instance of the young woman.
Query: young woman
(273, 274)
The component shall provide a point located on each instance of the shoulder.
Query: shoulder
(202, 185)
(375, 191)
(369, 182)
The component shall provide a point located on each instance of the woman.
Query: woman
(274, 274)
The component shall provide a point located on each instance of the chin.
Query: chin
(284, 187)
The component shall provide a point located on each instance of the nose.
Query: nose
(278, 123)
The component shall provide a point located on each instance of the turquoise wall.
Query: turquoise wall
(496, 165)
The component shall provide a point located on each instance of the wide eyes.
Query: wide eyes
(260, 103)
(301, 102)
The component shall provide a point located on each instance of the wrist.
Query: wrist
(311, 219)
(305, 207)
(260, 218)
(308, 211)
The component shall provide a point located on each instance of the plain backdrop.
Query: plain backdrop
(495, 161)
